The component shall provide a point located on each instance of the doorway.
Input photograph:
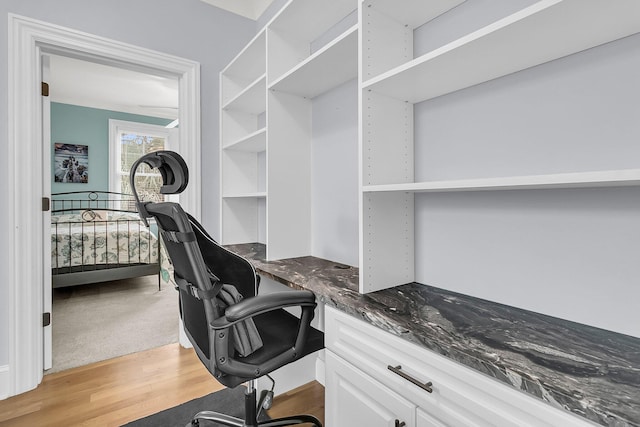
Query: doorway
(29, 39)
(92, 318)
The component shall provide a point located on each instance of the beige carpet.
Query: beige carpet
(105, 320)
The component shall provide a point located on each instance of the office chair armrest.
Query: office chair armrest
(254, 306)
(259, 304)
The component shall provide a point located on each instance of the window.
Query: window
(128, 142)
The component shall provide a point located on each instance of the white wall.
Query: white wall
(187, 28)
(567, 253)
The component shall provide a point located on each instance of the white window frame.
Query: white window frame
(116, 128)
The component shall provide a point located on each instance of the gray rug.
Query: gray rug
(229, 401)
(100, 321)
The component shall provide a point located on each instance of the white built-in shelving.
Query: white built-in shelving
(393, 80)
(311, 47)
(266, 117)
(319, 73)
(257, 194)
(246, 67)
(612, 178)
(243, 142)
(250, 100)
(254, 142)
(387, 31)
(561, 28)
(295, 30)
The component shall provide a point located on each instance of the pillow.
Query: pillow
(65, 218)
(93, 215)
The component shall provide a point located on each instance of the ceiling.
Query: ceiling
(88, 84)
(251, 9)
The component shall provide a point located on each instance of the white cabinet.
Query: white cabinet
(425, 420)
(377, 377)
(266, 119)
(393, 80)
(356, 399)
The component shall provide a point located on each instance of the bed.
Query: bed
(97, 236)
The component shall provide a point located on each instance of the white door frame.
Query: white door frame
(28, 40)
(47, 291)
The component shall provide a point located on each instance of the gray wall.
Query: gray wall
(334, 175)
(568, 253)
(186, 28)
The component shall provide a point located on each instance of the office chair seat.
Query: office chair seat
(277, 330)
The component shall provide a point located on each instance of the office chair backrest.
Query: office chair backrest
(189, 266)
(191, 250)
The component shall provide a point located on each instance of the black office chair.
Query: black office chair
(241, 341)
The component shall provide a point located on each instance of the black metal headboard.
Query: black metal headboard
(76, 201)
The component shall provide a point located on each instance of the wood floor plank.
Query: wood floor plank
(124, 389)
(112, 392)
(307, 399)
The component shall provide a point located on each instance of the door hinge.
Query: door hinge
(45, 89)
(46, 319)
(46, 204)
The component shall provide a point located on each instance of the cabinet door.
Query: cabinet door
(425, 420)
(355, 399)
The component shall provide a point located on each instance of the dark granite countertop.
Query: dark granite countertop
(591, 372)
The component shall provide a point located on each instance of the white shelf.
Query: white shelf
(306, 20)
(547, 30)
(250, 62)
(259, 194)
(251, 100)
(334, 64)
(412, 13)
(308, 42)
(615, 178)
(245, 68)
(254, 142)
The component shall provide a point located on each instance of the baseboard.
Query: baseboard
(4, 382)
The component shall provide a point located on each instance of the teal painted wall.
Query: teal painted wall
(73, 124)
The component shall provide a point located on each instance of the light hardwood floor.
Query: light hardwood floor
(120, 390)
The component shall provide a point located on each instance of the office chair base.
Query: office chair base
(251, 415)
(237, 422)
(216, 417)
(291, 421)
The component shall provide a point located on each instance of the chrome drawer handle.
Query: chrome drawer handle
(398, 370)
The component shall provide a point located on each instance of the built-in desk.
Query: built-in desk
(588, 371)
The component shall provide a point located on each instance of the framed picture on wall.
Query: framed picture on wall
(71, 163)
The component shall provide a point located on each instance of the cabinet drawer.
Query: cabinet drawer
(355, 399)
(460, 395)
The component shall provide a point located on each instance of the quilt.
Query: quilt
(106, 238)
